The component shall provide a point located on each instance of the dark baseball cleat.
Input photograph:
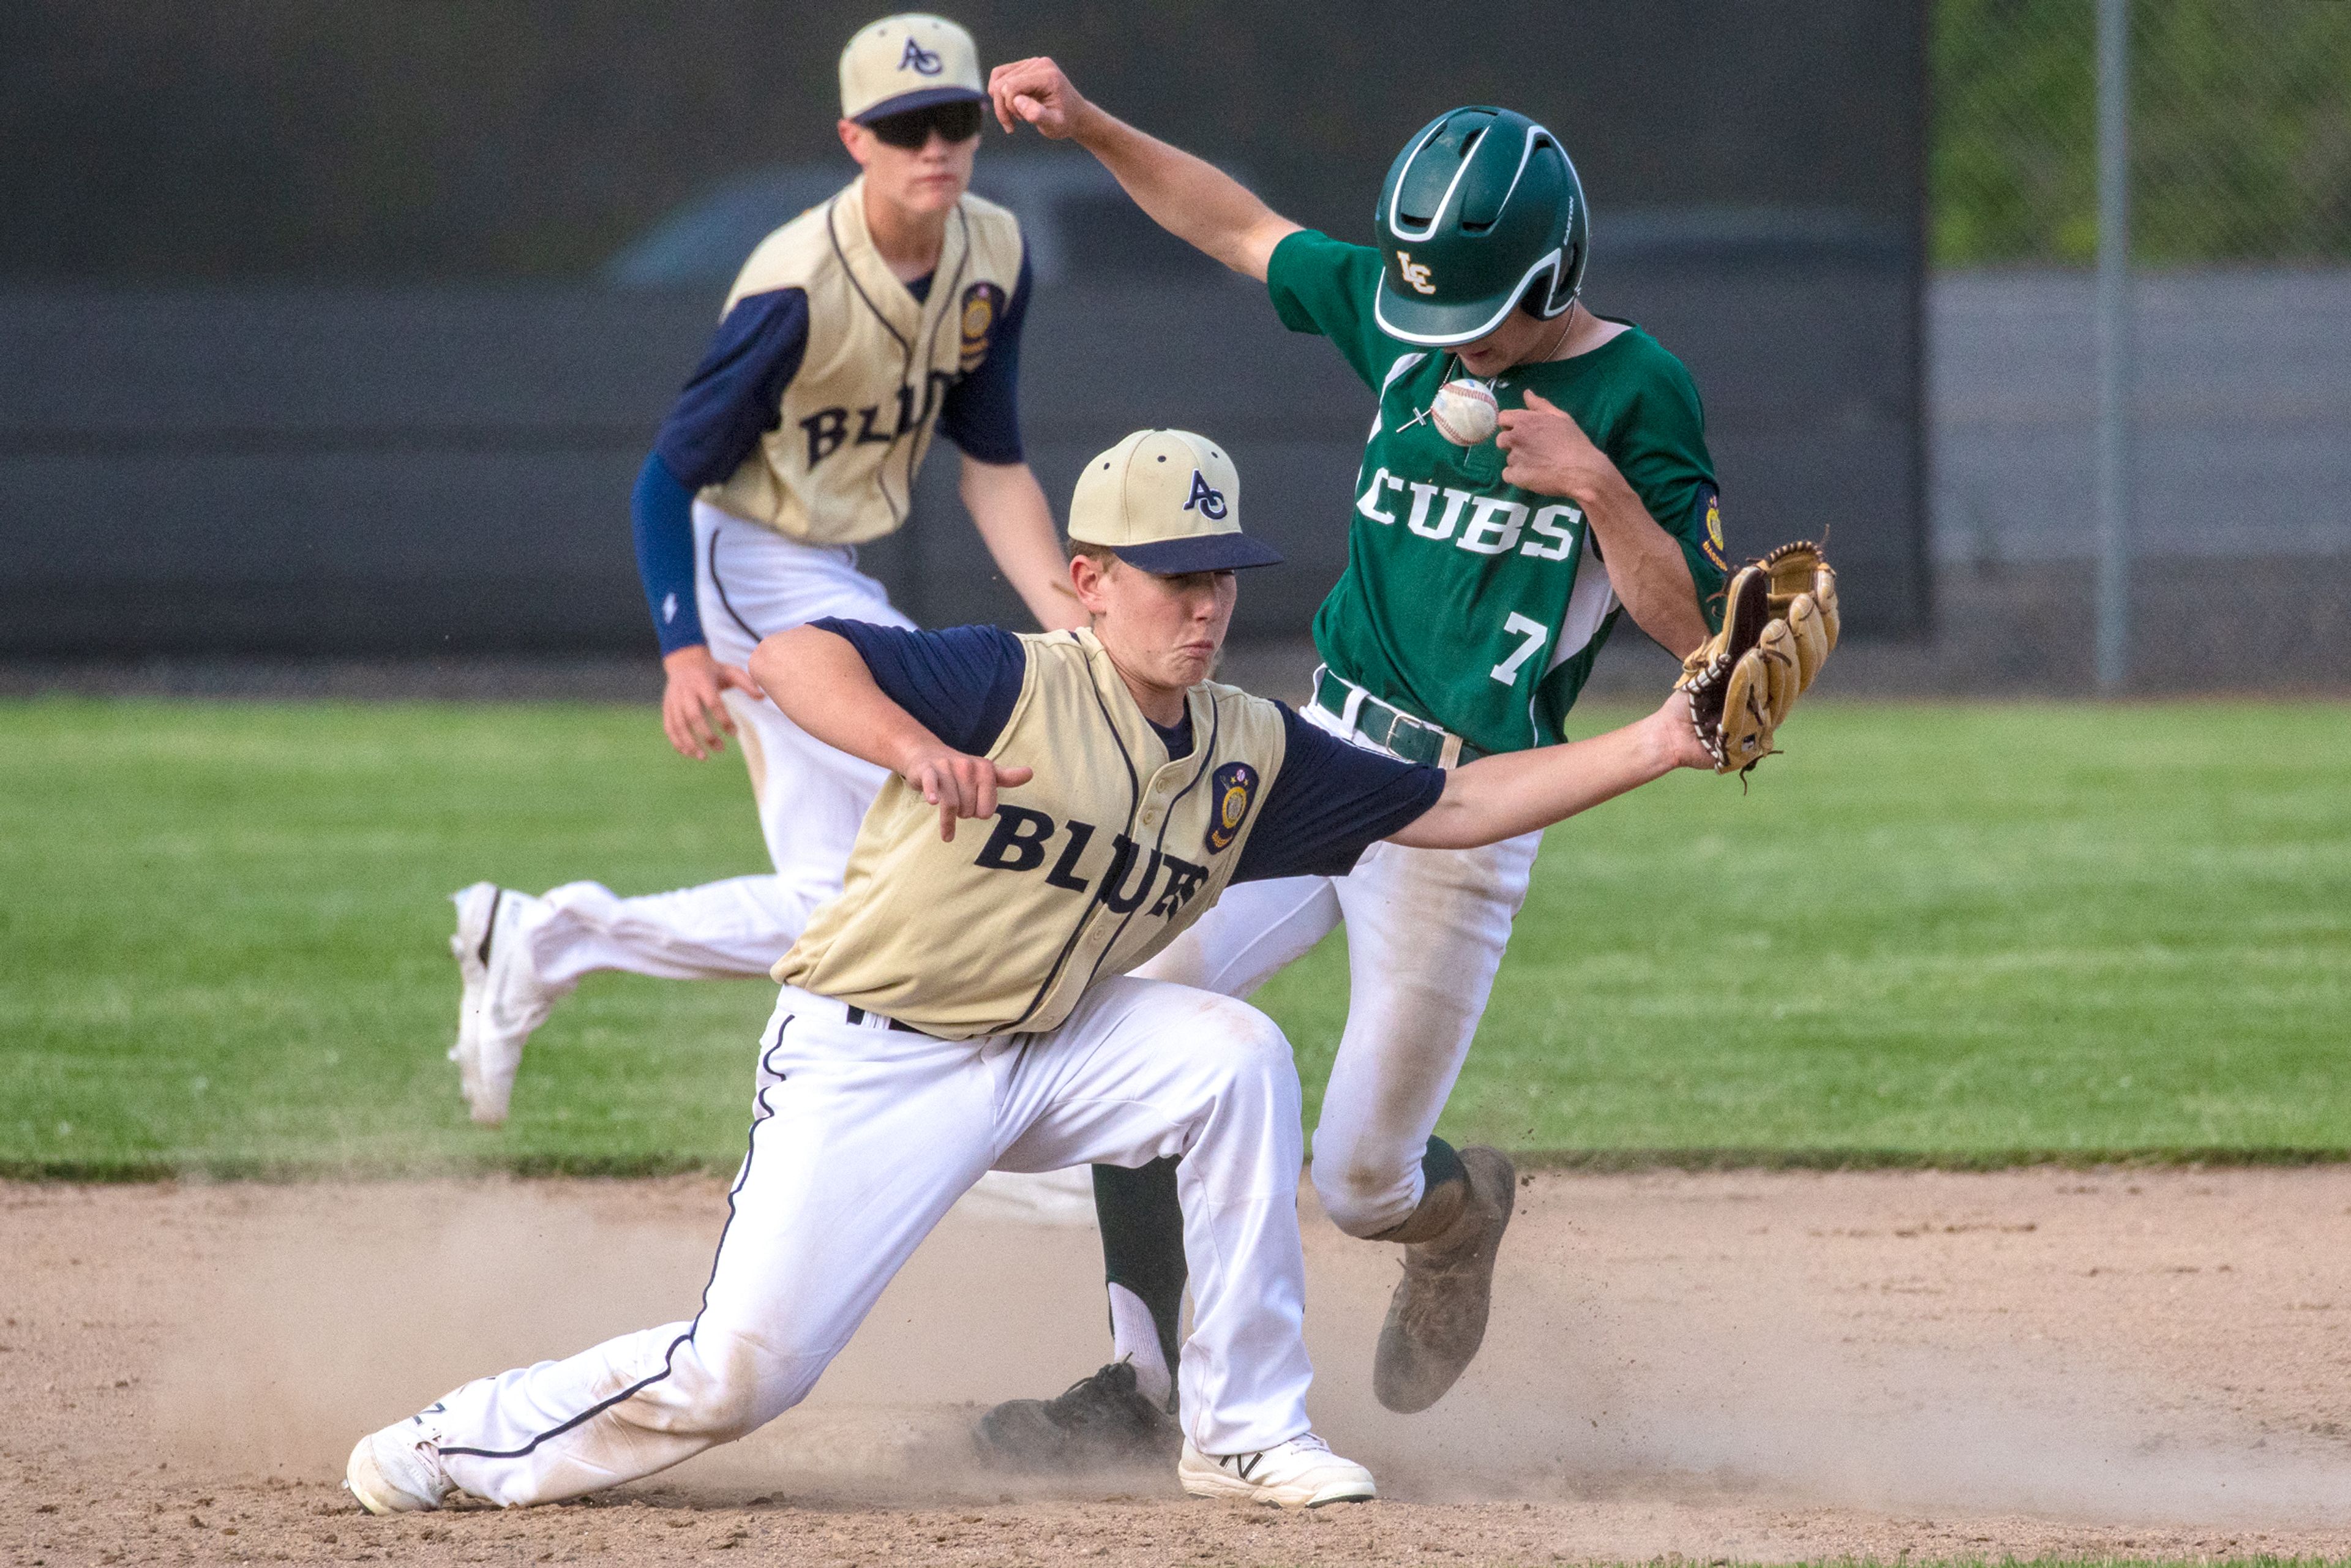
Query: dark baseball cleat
(1437, 1318)
(1098, 1423)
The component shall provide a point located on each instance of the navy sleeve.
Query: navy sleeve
(661, 511)
(1329, 803)
(959, 684)
(737, 394)
(981, 413)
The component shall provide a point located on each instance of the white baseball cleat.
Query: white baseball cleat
(500, 1001)
(1302, 1473)
(398, 1470)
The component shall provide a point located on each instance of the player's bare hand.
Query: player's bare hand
(1674, 729)
(692, 715)
(1545, 451)
(1036, 91)
(959, 784)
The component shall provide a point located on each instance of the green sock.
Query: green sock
(1143, 1248)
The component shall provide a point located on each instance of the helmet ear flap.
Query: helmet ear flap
(1543, 299)
(1566, 278)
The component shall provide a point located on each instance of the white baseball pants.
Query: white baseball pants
(1426, 930)
(863, 1136)
(750, 583)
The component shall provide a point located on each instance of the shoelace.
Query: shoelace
(1079, 1401)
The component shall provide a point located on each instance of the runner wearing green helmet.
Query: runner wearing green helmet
(1483, 575)
(1481, 211)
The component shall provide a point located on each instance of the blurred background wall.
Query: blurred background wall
(341, 330)
(2239, 467)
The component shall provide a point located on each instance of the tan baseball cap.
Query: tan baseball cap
(906, 62)
(1167, 501)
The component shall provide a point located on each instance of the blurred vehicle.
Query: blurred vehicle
(1078, 223)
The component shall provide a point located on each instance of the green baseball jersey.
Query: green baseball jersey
(1467, 601)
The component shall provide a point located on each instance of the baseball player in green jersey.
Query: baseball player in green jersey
(965, 1002)
(1488, 560)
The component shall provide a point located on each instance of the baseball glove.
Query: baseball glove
(1779, 624)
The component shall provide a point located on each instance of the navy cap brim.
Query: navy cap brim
(907, 102)
(1202, 552)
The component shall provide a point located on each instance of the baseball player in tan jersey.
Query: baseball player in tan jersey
(853, 334)
(1060, 807)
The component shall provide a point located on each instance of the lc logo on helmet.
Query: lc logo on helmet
(1414, 273)
(920, 59)
(1210, 501)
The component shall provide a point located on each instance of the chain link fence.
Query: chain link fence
(2240, 121)
(2237, 396)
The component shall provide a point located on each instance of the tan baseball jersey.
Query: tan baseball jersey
(858, 417)
(1088, 869)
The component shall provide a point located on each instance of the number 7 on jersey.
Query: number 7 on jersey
(1536, 634)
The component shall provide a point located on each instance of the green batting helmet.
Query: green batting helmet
(1481, 207)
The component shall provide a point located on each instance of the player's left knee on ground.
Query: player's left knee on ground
(724, 1386)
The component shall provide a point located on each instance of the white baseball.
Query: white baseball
(1464, 413)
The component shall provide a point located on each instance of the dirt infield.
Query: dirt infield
(1725, 1366)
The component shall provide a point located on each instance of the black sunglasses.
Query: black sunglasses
(956, 121)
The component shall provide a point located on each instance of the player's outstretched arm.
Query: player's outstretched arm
(1010, 509)
(820, 680)
(1501, 797)
(1189, 197)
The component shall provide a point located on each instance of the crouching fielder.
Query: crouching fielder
(963, 1004)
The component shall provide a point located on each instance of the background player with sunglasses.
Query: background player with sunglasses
(1475, 599)
(852, 334)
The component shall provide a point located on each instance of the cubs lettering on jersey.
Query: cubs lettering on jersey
(1087, 869)
(1496, 522)
(856, 419)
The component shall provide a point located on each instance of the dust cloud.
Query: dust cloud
(1758, 1339)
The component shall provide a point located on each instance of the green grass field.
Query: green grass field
(1949, 934)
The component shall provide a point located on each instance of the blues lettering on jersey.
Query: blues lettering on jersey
(1236, 786)
(1022, 837)
(829, 429)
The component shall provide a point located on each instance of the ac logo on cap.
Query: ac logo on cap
(906, 62)
(1209, 500)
